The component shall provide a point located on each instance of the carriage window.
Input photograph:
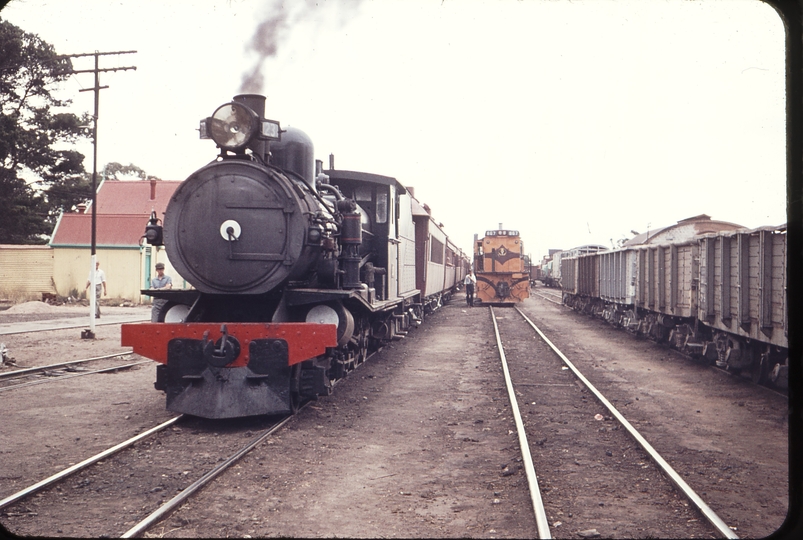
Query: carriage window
(436, 254)
(382, 208)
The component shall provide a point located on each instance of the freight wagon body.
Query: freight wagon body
(743, 299)
(719, 296)
(666, 281)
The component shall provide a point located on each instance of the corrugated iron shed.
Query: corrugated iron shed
(26, 269)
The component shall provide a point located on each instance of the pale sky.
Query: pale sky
(574, 122)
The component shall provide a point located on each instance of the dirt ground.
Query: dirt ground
(419, 442)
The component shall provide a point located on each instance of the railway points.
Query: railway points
(67, 365)
(48, 375)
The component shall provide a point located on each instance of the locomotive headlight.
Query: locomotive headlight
(232, 126)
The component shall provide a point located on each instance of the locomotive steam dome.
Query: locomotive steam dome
(295, 152)
(237, 227)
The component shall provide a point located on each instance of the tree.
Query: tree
(116, 171)
(37, 180)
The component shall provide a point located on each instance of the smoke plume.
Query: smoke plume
(278, 22)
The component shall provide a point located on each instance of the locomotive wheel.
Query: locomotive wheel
(295, 388)
(363, 352)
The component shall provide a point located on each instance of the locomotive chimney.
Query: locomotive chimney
(256, 103)
(331, 162)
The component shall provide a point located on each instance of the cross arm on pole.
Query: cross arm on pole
(74, 71)
(94, 54)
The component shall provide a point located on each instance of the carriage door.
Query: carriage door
(393, 246)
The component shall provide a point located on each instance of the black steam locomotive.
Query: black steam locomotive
(298, 273)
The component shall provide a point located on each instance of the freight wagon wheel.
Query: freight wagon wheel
(295, 388)
(761, 368)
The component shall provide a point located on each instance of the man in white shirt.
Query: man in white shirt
(469, 282)
(100, 286)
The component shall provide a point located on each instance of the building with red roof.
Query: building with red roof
(123, 210)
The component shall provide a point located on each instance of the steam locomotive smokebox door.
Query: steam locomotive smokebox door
(235, 227)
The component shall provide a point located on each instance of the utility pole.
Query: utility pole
(90, 334)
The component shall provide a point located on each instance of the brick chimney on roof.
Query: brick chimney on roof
(153, 189)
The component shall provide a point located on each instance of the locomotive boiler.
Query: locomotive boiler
(298, 273)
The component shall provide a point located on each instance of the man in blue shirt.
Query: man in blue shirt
(161, 281)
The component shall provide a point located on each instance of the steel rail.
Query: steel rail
(549, 299)
(61, 364)
(62, 377)
(541, 521)
(78, 466)
(179, 499)
(709, 514)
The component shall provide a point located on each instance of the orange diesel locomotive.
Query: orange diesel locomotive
(502, 278)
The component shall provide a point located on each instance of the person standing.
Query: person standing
(160, 282)
(469, 282)
(100, 286)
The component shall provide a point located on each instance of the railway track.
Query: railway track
(54, 492)
(549, 297)
(578, 484)
(60, 371)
